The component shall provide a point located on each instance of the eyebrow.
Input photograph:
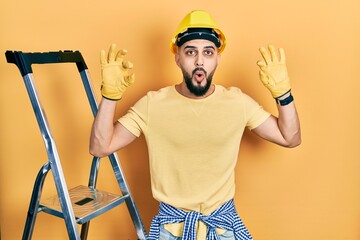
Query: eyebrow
(189, 46)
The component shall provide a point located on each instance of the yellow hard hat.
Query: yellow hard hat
(198, 19)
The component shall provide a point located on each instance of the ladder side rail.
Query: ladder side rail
(94, 172)
(35, 201)
(85, 77)
(134, 213)
(114, 160)
(92, 183)
(54, 159)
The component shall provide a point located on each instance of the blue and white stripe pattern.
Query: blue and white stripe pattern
(224, 217)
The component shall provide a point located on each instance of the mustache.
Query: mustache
(199, 69)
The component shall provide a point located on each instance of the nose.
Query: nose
(199, 61)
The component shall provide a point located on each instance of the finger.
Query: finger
(265, 55)
(273, 53)
(120, 55)
(127, 64)
(103, 57)
(261, 63)
(265, 79)
(111, 55)
(129, 80)
(282, 55)
(132, 78)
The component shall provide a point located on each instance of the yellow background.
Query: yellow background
(311, 192)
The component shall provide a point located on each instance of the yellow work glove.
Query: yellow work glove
(273, 72)
(114, 72)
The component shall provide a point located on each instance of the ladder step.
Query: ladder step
(87, 203)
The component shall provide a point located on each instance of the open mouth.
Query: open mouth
(199, 75)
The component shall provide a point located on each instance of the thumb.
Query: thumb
(103, 57)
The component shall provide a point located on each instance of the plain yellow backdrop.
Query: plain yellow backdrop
(311, 192)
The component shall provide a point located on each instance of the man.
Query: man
(193, 130)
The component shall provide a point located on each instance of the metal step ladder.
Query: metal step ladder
(81, 204)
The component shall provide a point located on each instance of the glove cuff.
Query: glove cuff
(285, 101)
(111, 99)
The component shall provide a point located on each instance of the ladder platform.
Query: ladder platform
(87, 203)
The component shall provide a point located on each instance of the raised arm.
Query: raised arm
(284, 129)
(107, 136)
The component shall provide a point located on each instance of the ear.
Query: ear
(218, 58)
(177, 59)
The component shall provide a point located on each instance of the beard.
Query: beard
(198, 90)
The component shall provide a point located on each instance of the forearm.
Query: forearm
(285, 129)
(107, 137)
(103, 128)
(288, 122)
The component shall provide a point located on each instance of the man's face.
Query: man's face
(198, 60)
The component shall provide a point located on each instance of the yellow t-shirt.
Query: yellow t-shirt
(193, 145)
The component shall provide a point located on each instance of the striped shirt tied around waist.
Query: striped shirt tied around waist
(225, 217)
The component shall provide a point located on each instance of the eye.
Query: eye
(190, 52)
(208, 52)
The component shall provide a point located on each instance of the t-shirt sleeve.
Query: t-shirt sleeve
(135, 120)
(255, 114)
